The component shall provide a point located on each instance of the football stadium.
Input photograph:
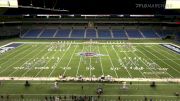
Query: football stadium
(91, 50)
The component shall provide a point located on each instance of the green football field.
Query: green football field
(41, 63)
(91, 60)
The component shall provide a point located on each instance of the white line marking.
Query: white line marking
(18, 60)
(100, 61)
(46, 62)
(135, 65)
(146, 65)
(121, 60)
(60, 60)
(165, 55)
(161, 60)
(16, 50)
(164, 96)
(111, 61)
(70, 59)
(34, 64)
(27, 60)
(153, 61)
(79, 63)
(19, 52)
(90, 63)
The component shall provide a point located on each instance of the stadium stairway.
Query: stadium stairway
(47, 33)
(33, 33)
(119, 34)
(62, 33)
(134, 33)
(141, 33)
(165, 33)
(149, 33)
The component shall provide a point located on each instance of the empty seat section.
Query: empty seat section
(48, 33)
(134, 33)
(63, 33)
(104, 33)
(166, 33)
(148, 33)
(178, 37)
(90, 33)
(119, 34)
(78, 33)
(33, 33)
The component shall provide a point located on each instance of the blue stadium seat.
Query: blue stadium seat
(78, 33)
(164, 33)
(104, 34)
(33, 33)
(178, 36)
(149, 33)
(90, 33)
(134, 33)
(48, 33)
(119, 34)
(63, 33)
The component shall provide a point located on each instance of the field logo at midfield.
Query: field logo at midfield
(90, 54)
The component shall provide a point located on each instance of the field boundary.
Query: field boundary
(164, 96)
(90, 79)
(73, 42)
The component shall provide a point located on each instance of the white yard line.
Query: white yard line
(90, 63)
(168, 52)
(111, 61)
(94, 83)
(175, 45)
(46, 62)
(19, 52)
(148, 95)
(175, 80)
(165, 56)
(13, 52)
(79, 63)
(70, 59)
(121, 60)
(145, 64)
(59, 60)
(165, 59)
(100, 61)
(161, 60)
(135, 65)
(105, 43)
(18, 60)
(27, 60)
(6, 44)
(33, 64)
(154, 62)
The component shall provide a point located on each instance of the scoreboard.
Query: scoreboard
(172, 4)
(9, 3)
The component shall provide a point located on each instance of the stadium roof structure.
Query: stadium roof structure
(91, 7)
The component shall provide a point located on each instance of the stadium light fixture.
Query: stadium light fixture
(120, 15)
(48, 15)
(95, 15)
(141, 15)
